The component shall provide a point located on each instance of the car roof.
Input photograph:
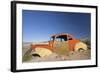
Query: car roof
(60, 34)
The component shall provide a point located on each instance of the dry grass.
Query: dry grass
(61, 48)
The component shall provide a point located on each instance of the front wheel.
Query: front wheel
(36, 55)
(42, 52)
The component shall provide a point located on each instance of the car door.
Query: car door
(60, 46)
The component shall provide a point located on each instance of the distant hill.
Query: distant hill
(85, 38)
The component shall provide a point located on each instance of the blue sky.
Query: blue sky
(40, 25)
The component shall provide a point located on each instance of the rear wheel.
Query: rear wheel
(80, 46)
(81, 50)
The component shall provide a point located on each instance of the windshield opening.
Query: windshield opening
(52, 38)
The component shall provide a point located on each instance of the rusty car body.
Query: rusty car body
(58, 42)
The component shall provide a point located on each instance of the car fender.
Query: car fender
(80, 45)
(42, 52)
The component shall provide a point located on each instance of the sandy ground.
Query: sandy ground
(72, 56)
(79, 55)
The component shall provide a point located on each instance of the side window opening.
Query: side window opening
(69, 37)
(61, 38)
(52, 38)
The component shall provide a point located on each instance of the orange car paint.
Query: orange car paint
(50, 45)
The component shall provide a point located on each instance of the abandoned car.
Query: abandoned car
(59, 43)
